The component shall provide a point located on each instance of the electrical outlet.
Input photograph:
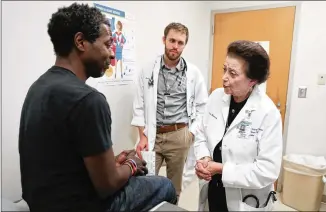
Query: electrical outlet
(302, 92)
(321, 79)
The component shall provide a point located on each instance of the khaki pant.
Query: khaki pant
(173, 147)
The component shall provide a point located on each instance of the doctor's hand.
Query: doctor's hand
(201, 169)
(142, 145)
(191, 136)
(214, 168)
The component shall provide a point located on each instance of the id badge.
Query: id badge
(245, 126)
(244, 129)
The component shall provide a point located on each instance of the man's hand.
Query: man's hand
(191, 136)
(122, 157)
(142, 145)
(141, 165)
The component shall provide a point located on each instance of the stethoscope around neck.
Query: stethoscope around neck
(151, 80)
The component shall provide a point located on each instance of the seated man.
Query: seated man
(66, 156)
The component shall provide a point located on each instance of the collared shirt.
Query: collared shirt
(171, 95)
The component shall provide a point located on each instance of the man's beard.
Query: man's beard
(170, 57)
(93, 70)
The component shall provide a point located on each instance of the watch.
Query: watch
(206, 157)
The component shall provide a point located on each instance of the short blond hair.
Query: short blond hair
(177, 27)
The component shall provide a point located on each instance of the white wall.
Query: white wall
(27, 53)
(307, 121)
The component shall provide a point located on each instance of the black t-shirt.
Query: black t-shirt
(63, 120)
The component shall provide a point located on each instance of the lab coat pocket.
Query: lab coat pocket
(256, 200)
(246, 150)
(247, 144)
(246, 207)
(250, 147)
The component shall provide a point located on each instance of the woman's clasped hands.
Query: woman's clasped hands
(206, 168)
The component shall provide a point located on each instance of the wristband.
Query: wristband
(129, 167)
(132, 164)
(206, 157)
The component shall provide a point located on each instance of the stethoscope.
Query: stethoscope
(272, 193)
(151, 80)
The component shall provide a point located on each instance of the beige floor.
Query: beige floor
(189, 197)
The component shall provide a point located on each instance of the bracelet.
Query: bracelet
(129, 167)
(132, 164)
(206, 157)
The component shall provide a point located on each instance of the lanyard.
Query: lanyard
(167, 93)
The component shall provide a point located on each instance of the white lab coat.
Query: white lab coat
(250, 165)
(145, 106)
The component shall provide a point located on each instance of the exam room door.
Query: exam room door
(273, 25)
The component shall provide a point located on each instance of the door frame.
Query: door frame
(298, 6)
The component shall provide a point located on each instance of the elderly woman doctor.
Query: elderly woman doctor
(239, 142)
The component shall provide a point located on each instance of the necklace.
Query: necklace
(228, 120)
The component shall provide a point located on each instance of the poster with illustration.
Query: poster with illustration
(122, 67)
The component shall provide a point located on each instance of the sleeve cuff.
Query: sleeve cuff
(202, 153)
(228, 174)
(192, 129)
(138, 122)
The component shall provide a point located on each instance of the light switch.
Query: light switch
(321, 79)
(302, 93)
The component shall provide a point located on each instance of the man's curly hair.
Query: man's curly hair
(67, 21)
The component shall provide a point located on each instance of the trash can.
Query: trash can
(303, 181)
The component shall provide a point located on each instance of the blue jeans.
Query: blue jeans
(142, 193)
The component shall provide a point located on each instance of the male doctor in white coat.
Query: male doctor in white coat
(170, 99)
